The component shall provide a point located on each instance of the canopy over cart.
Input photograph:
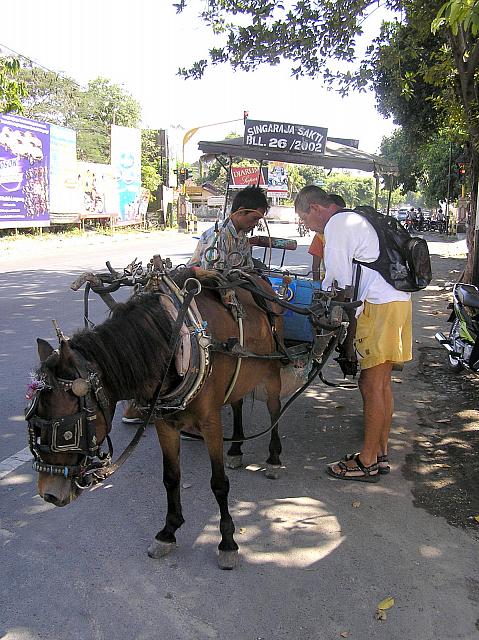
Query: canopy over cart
(335, 156)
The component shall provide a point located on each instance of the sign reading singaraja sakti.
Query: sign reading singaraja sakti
(295, 138)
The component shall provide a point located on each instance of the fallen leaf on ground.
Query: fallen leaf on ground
(476, 518)
(339, 406)
(186, 485)
(387, 603)
(356, 504)
(383, 606)
(344, 634)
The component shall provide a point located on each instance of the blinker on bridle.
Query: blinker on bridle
(72, 434)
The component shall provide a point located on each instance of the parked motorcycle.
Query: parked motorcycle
(436, 225)
(462, 343)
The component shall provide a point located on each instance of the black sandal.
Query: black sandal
(370, 474)
(383, 465)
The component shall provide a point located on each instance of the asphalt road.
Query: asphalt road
(316, 555)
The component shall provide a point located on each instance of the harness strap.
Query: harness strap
(175, 335)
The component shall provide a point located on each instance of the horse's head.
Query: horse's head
(68, 419)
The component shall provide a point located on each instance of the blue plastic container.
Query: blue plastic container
(300, 292)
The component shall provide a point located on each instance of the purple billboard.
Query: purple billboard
(24, 172)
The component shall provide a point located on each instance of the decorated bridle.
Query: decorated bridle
(75, 433)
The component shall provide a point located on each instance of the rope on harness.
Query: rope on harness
(315, 371)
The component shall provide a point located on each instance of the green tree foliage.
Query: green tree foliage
(436, 185)
(312, 175)
(154, 162)
(215, 174)
(399, 147)
(50, 97)
(102, 105)
(12, 89)
(359, 190)
(423, 64)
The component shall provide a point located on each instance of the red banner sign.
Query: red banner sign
(247, 176)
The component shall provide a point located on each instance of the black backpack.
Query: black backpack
(403, 260)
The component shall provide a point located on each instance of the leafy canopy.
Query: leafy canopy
(12, 89)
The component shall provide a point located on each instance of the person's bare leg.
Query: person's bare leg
(389, 405)
(375, 387)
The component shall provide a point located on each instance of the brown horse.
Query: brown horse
(126, 356)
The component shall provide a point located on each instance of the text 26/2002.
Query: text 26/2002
(284, 143)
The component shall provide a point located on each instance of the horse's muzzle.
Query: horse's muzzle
(57, 491)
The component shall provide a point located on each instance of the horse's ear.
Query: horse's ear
(45, 349)
(66, 355)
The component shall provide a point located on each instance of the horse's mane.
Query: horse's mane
(131, 346)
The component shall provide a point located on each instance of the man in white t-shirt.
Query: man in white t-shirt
(383, 333)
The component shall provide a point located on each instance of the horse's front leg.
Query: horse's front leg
(165, 540)
(273, 463)
(213, 435)
(234, 458)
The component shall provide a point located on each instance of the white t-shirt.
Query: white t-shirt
(349, 235)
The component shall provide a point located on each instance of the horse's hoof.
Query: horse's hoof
(159, 549)
(234, 462)
(272, 471)
(228, 559)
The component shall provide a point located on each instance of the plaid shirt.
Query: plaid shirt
(226, 241)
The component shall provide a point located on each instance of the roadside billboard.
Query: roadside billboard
(64, 197)
(126, 162)
(97, 190)
(24, 172)
(278, 179)
(242, 177)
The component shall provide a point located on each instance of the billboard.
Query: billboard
(24, 172)
(96, 190)
(63, 171)
(247, 176)
(126, 162)
(278, 179)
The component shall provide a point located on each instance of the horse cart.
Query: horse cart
(186, 343)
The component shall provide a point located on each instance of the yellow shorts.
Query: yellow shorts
(384, 333)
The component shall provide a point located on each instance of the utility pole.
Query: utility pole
(161, 144)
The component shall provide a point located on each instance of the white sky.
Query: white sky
(141, 44)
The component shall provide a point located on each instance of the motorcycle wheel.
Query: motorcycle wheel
(454, 363)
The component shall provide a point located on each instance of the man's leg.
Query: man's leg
(375, 387)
